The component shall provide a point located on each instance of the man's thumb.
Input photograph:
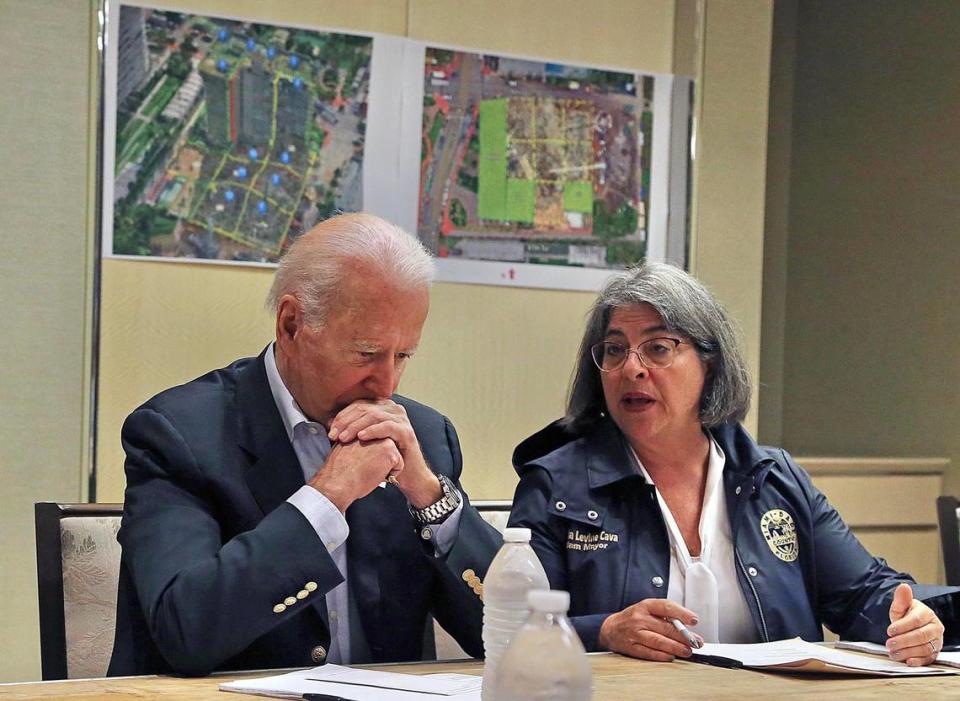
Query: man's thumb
(902, 598)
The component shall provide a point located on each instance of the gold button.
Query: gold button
(310, 586)
(279, 608)
(303, 594)
(468, 575)
(318, 654)
(289, 601)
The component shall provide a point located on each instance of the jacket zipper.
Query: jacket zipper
(763, 621)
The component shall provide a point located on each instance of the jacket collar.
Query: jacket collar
(608, 461)
(743, 454)
(274, 472)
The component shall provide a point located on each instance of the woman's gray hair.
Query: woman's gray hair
(314, 266)
(687, 308)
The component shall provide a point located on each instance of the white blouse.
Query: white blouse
(707, 585)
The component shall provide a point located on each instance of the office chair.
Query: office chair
(948, 513)
(78, 567)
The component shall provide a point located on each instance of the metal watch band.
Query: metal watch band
(442, 508)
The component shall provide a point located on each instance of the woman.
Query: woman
(650, 502)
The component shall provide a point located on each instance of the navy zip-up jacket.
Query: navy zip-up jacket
(598, 530)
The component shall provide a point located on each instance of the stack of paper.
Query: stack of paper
(949, 659)
(797, 655)
(362, 685)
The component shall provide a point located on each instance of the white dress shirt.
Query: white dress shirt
(312, 446)
(707, 585)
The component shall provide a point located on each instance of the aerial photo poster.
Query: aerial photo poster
(543, 170)
(231, 138)
(226, 139)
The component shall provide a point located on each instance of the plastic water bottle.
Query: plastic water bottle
(514, 572)
(546, 660)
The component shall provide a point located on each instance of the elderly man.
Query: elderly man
(290, 509)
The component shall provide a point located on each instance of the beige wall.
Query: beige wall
(165, 323)
(873, 324)
(45, 259)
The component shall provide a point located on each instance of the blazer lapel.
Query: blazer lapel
(274, 472)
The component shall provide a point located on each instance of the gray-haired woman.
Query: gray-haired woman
(651, 504)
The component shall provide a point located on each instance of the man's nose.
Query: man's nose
(383, 379)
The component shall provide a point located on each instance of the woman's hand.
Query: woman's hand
(643, 630)
(916, 634)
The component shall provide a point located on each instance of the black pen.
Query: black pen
(323, 697)
(715, 661)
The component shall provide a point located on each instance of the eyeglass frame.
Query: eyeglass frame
(629, 349)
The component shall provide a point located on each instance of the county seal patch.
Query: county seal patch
(781, 534)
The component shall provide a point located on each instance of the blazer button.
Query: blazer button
(738, 489)
(752, 571)
(318, 654)
(657, 581)
(289, 601)
(303, 594)
(279, 608)
(592, 515)
(310, 586)
(560, 506)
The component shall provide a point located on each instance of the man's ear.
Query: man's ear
(289, 318)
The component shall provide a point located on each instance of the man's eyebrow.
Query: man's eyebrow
(371, 347)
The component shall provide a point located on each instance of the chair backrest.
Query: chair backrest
(78, 567)
(948, 513)
(496, 512)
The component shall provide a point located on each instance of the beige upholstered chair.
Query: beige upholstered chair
(496, 514)
(78, 566)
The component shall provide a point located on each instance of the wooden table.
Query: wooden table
(615, 678)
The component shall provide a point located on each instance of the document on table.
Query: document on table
(950, 659)
(362, 685)
(797, 655)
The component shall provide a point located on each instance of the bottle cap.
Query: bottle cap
(516, 535)
(548, 600)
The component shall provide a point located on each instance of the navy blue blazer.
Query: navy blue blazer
(599, 532)
(210, 546)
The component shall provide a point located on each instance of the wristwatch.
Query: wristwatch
(439, 510)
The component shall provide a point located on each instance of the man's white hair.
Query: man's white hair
(314, 267)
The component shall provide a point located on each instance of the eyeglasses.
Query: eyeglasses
(655, 353)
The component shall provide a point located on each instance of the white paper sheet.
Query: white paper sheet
(362, 685)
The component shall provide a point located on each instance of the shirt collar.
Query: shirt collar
(290, 411)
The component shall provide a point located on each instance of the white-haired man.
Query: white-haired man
(290, 509)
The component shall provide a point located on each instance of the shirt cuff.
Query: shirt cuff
(330, 525)
(444, 535)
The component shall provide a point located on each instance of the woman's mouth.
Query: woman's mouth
(636, 401)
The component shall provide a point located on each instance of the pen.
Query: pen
(692, 640)
(323, 697)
